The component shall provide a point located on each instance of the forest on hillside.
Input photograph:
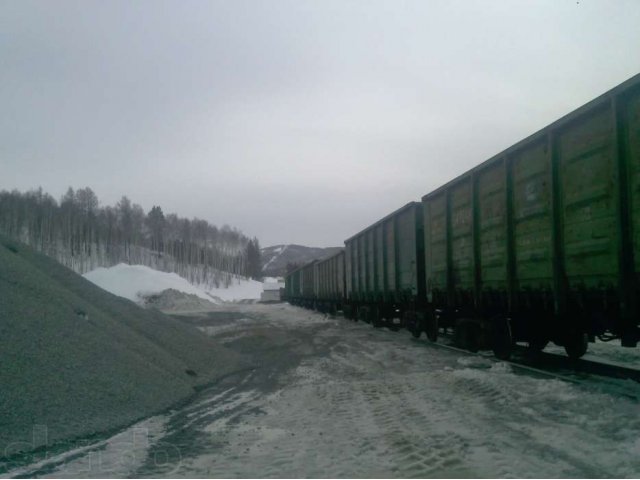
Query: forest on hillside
(83, 235)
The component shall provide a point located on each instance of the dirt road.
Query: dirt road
(330, 398)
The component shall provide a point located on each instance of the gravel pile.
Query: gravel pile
(76, 360)
(173, 301)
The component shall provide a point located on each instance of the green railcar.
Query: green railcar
(293, 287)
(330, 283)
(384, 268)
(542, 241)
(308, 285)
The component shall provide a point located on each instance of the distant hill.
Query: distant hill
(276, 258)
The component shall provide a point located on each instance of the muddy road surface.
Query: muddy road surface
(331, 398)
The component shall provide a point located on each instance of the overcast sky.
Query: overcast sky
(297, 122)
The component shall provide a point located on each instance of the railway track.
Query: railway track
(581, 371)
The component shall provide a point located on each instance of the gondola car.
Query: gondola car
(542, 241)
(330, 283)
(384, 266)
(539, 243)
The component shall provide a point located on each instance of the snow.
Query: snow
(240, 289)
(273, 286)
(338, 399)
(137, 282)
(278, 252)
(606, 352)
(272, 280)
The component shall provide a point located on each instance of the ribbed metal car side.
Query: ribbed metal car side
(384, 266)
(542, 241)
(330, 283)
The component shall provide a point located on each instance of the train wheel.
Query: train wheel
(466, 334)
(502, 341)
(375, 317)
(415, 331)
(576, 344)
(412, 323)
(394, 327)
(431, 328)
(363, 314)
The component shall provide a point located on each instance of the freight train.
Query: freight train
(539, 243)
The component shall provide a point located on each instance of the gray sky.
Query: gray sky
(297, 122)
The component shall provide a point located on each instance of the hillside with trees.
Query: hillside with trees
(278, 260)
(83, 235)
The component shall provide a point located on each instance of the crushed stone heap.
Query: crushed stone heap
(77, 360)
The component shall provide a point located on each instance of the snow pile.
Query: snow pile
(272, 285)
(240, 289)
(173, 301)
(136, 282)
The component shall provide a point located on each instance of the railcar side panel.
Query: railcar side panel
(348, 267)
(588, 195)
(462, 237)
(339, 268)
(492, 228)
(362, 266)
(406, 251)
(390, 262)
(631, 118)
(331, 279)
(435, 235)
(354, 266)
(308, 280)
(369, 241)
(379, 258)
(531, 169)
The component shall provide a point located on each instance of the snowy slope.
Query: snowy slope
(276, 257)
(240, 289)
(136, 282)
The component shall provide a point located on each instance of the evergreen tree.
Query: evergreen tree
(254, 259)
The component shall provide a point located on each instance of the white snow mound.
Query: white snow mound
(239, 289)
(137, 281)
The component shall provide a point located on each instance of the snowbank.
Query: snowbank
(240, 289)
(136, 282)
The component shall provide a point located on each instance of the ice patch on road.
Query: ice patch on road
(216, 330)
(474, 361)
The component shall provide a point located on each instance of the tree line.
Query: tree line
(83, 235)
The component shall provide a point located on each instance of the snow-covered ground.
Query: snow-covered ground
(137, 282)
(332, 398)
(607, 352)
(240, 289)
